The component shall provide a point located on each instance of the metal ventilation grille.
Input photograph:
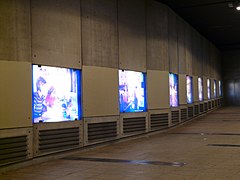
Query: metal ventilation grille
(183, 114)
(159, 121)
(209, 105)
(201, 108)
(58, 139)
(175, 117)
(196, 110)
(190, 112)
(13, 149)
(221, 102)
(134, 125)
(101, 131)
(205, 106)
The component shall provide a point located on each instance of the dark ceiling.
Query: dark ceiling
(212, 18)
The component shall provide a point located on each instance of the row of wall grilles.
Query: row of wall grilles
(47, 141)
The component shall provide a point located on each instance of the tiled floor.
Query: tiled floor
(188, 144)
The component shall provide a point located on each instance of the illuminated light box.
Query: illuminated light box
(215, 88)
(189, 82)
(173, 89)
(132, 91)
(56, 94)
(208, 88)
(220, 88)
(200, 89)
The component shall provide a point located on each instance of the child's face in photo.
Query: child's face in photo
(44, 89)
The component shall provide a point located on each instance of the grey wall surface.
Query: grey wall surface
(15, 31)
(157, 36)
(231, 74)
(206, 57)
(132, 35)
(56, 33)
(99, 33)
(182, 66)
(197, 53)
(172, 42)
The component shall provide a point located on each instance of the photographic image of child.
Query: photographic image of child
(55, 94)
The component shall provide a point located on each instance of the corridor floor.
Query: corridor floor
(205, 148)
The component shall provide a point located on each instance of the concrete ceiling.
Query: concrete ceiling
(212, 18)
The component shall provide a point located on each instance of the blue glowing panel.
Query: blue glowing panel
(215, 88)
(220, 88)
(56, 94)
(200, 89)
(173, 89)
(132, 91)
(189, 81)
(208, 88)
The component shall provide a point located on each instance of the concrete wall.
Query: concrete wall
(132, 35)
(231, 73)
(157, 36)
(56, 33)
(99, 33)
(136, 35)
(15, 90)
(15, 31)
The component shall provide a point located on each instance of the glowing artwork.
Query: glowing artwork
(220, 88)
(200, 89)
(56, 94)
(215, 88)
(189, 89)
(208, 89)
(132, 91)
(173, 89)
